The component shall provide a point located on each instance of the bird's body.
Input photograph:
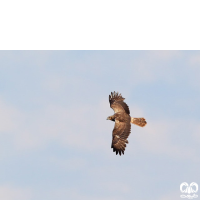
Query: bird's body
(123, 120)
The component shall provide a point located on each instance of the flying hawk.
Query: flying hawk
(123, 121)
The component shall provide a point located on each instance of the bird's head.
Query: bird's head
(108, 118)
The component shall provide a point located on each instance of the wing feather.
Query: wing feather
(121, 132)
(117, 103)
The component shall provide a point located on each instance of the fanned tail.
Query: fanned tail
(138, 121)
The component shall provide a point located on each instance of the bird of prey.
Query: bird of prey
(123, 120)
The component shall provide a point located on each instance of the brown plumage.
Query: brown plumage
(123, 120)
(138, 121)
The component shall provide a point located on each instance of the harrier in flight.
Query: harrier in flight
(123, 120)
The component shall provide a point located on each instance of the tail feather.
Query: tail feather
(138, 121)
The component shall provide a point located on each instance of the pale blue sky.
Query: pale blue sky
(55, 139)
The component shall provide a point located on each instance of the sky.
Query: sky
(55, 139)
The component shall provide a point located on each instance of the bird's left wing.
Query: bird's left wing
(121, 132)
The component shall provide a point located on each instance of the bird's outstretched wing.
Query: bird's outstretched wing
(120, 134)
(117, 103)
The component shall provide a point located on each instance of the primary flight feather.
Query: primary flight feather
(123, 120)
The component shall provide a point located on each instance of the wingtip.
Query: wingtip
(116, 95)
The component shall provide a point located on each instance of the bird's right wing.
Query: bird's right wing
(117, 103)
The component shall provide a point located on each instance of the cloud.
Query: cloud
(195, 129)
(154, 66)
(119, 186)
(194, 70)
(9, 117)
(164, 55)
(158, 138)
(75, 194)
(71, 126)
(53, 83)
(172, 195)
(194, 60)
(74, 163)
(14, 128)
(24, 59)
(8, 192)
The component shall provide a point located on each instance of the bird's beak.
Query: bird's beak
(107, 118)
